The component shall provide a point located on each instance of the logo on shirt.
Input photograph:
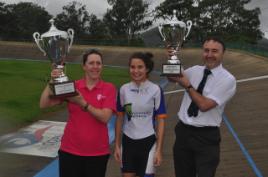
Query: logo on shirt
(140, 90)
(100, 97)
(128, 111)
(134, 90)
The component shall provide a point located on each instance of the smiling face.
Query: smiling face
(137, 70)
(212, 54)
(93, 66)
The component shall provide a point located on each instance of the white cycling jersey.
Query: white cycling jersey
(140, 105)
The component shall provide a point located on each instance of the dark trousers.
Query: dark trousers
(82, 166)
(196, 151)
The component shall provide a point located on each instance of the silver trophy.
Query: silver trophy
(55, 45)
(174, 33)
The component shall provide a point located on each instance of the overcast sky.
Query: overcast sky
(99, 7)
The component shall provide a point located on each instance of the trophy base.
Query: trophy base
(171, 69)
(63, 89)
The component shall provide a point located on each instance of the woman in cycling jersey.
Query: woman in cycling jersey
(140, 121)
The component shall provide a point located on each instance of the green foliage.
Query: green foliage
(120, 26)
(23, 81)
(87, 27)
(16, 24)
(126, 18)
(97, 29)
(74, 15)
(225, 18)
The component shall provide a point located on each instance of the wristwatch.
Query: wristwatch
(188, 88)
(85, 108)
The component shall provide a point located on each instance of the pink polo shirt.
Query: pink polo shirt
(84, 135)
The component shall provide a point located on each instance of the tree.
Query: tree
(126, 18)
(74, 16)
(183, 7)
(16, 24)
(97, 29)
(3, 19)
(226, 18)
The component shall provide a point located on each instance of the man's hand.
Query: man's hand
(181, 79)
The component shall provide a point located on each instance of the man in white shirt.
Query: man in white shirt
(208, 88)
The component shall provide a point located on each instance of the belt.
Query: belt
(198, 128)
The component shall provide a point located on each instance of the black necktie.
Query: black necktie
(193, 108)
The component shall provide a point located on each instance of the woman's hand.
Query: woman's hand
(117, 154)
(157, 158)
(170, 52)
(78, 99)
(56, 73)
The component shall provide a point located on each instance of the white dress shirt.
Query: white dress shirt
(220, 87)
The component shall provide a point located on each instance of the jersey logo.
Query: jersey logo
(134, 90)
(100, 97)
(128, 111)
(140, 90)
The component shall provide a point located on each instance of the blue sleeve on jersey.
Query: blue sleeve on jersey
(162, 107)
(119, 107)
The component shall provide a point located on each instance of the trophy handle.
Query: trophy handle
(188, 26)
(37, 40)
(160, 27)
(71, 37)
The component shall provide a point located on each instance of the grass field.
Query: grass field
(21, 83)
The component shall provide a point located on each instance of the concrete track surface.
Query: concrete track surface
(247, 112)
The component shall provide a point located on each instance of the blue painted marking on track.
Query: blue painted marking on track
(50, 171)
(111, 125)
(243, 149)
(163, 83)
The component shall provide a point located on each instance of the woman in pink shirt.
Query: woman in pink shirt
(84, 149)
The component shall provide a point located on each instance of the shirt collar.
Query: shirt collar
(143, 84)
(216, 71)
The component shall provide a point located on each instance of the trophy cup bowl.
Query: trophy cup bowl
(173, 33)
(55, 45)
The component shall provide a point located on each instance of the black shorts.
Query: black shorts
(82, 166)
(137, 155)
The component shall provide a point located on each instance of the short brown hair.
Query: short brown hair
(216, 39)
(89, 52)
